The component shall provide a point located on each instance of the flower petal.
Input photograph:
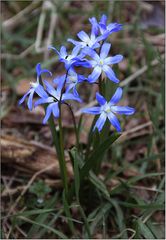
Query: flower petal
(95, 74)
(58, 79)
(100, 122)
(55, 109)
(38, 69)
(60, 85)
(81, 78)
(63, 52)
(114, 27)
(94, 23)
(103, 20)
(114, 121)
(48, 113)
(116, 97)
(53, 48)
(76, 50)
(83, 36)
(90, 52)
(92, 110)
(101, 100)
(105, 34)
(70, 96)
(75, 92)
(29, 103)
(74, 42)
(43, 100)
(115, 59)
(24, 97)
(110, 74)
(123, 110)
(45, 71)
(40, 91)
(105, 50)
(50, 89)
(93, 63)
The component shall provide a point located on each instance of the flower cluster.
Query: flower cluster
(90, 51)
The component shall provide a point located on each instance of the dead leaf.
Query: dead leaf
(31, 156)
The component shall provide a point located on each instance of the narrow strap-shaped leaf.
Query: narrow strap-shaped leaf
(144, 230)
(67, 212)
(98, 153)
(98, 184)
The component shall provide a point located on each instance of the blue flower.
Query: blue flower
(105, 29)
(54, 99)
(95, 25)
(86, 41)
(35, 88)
(101, 63)
(72, 80)
(73, 59)
(108, 110)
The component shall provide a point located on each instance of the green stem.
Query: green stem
(59, 146)
(62, 158)
(75, 125)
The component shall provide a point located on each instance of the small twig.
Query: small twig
(140, 72)
(12, 191)
(26, 188)
(20, 56)
(47, 5)
(21, 231)
(135, 129)
(53, 22)
(15, 20)
(40, 29)
(10, 230)
(145, 188)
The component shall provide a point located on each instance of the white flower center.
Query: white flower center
(101, 62)
(34, 84)
(88, 42)
(106, 108)
(73, 78)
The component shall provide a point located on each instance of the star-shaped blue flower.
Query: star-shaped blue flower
(86, 41)
(54, 98)
(35, 87)
(109, 110)
(101, 63)
(105, 29)
(73, 59)
(72, 80)
(110, 28)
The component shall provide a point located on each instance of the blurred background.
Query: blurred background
(28, 28)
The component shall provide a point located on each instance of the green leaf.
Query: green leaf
(75, 159)
(40, 189)
(56, 232)
(120, 219)
(42, 216)
(98, 184)
(137, 178)
(97, 216)
(144, 230)
(156, 229)
(143, 206)
(97, 154)
(68, 214)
